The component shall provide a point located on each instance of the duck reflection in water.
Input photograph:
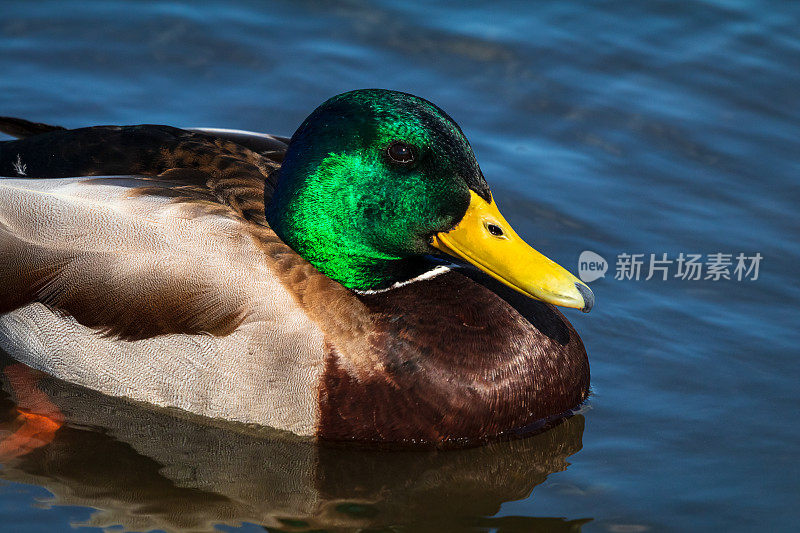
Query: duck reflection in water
(145, 469)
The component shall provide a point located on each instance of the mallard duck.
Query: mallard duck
(293, 283)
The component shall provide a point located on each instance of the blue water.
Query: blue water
(617, 127)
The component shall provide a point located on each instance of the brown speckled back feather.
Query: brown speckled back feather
(236, 175)
(458, 362)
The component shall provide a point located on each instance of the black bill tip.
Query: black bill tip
(588, 297)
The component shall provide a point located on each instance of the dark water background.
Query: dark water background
(618, 127)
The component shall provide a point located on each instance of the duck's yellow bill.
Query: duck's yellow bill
(486, 240)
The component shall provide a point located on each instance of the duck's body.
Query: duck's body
(165, 284)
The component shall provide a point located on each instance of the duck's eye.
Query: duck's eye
(495, 230)
(400, 152)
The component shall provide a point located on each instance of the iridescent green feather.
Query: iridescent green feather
(346, 207)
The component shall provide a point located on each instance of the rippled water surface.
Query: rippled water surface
(617, 127)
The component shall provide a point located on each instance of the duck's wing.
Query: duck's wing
(236, 175)
(132, 256)
(150, 238)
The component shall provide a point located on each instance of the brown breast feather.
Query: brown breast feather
(457, 363)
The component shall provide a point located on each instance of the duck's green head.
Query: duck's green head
(375, 180)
